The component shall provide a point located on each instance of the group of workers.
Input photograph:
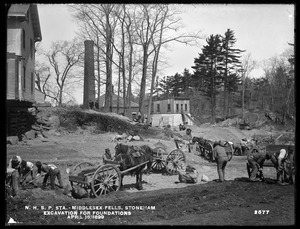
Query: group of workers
(18, 171)
(283, 161)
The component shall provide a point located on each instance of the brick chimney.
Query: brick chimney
(89, 74)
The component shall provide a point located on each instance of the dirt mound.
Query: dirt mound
(233, 202)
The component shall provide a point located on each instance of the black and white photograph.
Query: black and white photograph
(150, 114)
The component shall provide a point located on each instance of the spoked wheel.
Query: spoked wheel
(208, 151)
(106, 179)
(229, 150)
(174, 161)
(158, 163)
(82, 165)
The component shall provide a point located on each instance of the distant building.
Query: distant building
(172, 111)
(23, 31)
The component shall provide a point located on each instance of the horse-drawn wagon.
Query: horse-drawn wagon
(204, 148)
(99, 180)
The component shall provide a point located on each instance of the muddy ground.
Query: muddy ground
(234, 202)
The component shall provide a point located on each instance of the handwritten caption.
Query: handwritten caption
(88, 212)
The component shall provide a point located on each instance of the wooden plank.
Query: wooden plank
(127, 170)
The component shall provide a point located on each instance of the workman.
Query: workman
(256, 161)
(26, 167)
(12, 174)
(186, 139)
(108, 158)
(221, 157)
(49, 170)
(284, 161)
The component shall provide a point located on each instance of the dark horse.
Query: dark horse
(131, 156)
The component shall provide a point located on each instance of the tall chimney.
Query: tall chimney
(89, 74)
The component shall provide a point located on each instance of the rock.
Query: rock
(129, 138)
(53, 132)
(204, 178)
(136, 138)
(30, 134)
(79, 192)
(54, 121)
(12, 140)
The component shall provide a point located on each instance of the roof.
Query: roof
(115, 101)
(20, 10)
(174, 98)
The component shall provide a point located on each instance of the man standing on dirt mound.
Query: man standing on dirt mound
(219, 153)
(50, 170)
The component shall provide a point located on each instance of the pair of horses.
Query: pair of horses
(134, 156)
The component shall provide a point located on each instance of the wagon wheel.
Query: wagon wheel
(174, 161)
(229, 150)
(202, 150)
(82, 165)
(106, 179)
(158, 163)
(208, 151)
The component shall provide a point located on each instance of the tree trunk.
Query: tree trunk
(143, 82)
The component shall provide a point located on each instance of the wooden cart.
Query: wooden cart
(102, 179)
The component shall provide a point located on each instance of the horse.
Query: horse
(131, 156)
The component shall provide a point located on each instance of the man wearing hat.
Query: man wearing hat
(219, 153)
(256, 161)
(50, 170)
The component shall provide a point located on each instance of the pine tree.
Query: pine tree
(208, 68)
(231, 67)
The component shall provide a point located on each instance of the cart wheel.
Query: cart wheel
(174, 161)
(82, 165)
(106, 179)
(229, 150)
(158, 163)
(208, 151)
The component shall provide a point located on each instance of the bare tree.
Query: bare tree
(63, 57)
(155, 27)
(248, 64)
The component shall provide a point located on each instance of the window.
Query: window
(23, 38)
(32, 82)
(169, 107)
(158, 108)
(177, 107)
(185, 107)
(24, 78)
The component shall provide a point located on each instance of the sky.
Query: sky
(264, 30)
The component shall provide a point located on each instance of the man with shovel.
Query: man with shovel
(51, 171)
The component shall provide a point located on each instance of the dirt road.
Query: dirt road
(234, 202)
